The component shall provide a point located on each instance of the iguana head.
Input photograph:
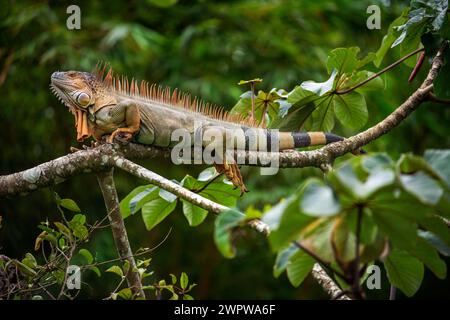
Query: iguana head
(79, 91)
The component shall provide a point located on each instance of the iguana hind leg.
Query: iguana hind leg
(233, 173)
(214, 140)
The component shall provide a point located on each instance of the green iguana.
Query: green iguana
(146, 114)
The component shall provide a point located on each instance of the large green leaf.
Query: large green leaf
(404, 271)
(428, 255)
(422, 186)
(286, 222)
(134, 201)
(401, 231)
(351, 109)
(298, 268)
(317, 237)
(224, 225)
(345, 60)
(194, 214)
(436, 242)
(377, 179)
(154, 211)
(390, 37)
(439, 160)
(319, 200)
(282, 260)
(323, 114)
(222, 192)
(344, 240)
(295, 110)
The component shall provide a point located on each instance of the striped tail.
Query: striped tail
(293, 140)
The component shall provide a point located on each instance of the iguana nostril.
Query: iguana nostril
(56, 75)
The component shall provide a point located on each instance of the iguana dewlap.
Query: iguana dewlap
(106, 105)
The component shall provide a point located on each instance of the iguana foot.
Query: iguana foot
(233, 174)
(94, 144)
(122, 135)
(73, 149)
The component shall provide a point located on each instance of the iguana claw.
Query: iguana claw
(233, 174)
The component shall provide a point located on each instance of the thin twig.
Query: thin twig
(434, 98)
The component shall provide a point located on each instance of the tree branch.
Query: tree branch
(106, 182)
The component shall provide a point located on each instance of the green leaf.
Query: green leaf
(343, 240)
(323, 114)
(222, 193)
(96, 270)
(390, 37)
(299, 267)
(404, 271)
(316, 237)
(319, 200)
(69, 204)
(87, 255)
(166, 195)
(436, 242)
(422, 186)
(115, 269)
(439, 160)
(295, 110)
(61, 227)
(184, 280)
(375, 84)
(224, 224)
(351, 109)
(285, 222)
(187, 297)
(283, 258)
(320, 88)
(345, 60)
(376, 180)
(156, 210)
(29, 261)
(376, 161)
(173, 278)
(401, 231)
(194, 214)
(428, 255)
(207, 174)
(77, 224)
(125, 294)
(134, 201)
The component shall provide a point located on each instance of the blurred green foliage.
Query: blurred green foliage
(205, 48)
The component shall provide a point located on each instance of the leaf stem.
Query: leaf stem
(379, 73)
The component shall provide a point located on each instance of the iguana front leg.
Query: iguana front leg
(132, 121)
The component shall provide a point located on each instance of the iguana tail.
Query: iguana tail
(293, 140)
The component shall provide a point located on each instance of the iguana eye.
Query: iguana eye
(83, 99)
